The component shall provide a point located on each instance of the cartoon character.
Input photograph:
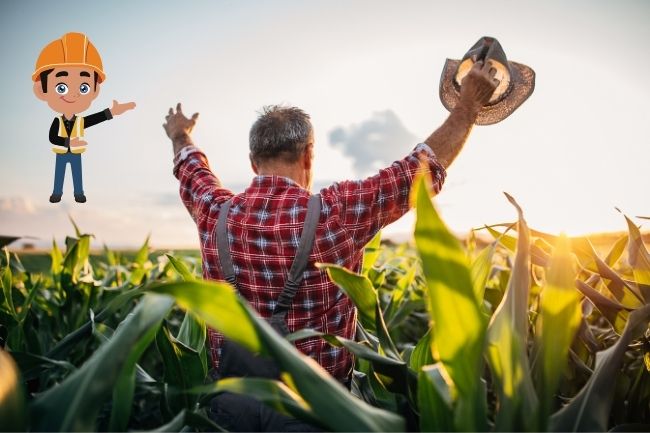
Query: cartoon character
(67, 76)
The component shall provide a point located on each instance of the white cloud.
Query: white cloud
(372, 142)
(17, 205)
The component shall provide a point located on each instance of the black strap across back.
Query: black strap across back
(295, 276)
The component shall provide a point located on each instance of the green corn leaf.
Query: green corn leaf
(394, 371)
(139, 262)
(323, 393)
(33, 365)
(385, 341)
(180, 268)
(370, 253)
(75, 337)
(27, 304)
(613, 311)
(557, 325)
(507, 335)
(590, 409)
(616, 251)
(76, 257)
(217, 304)
(192, 332)
(359, 289)
(625, 293)
(74, 404)
(272, 392)
(480, 271)
(639, 259)
(76, 227)
(538, 256)
(125, 385)
(435, 399)
(7, 289)
(57, 259)
(182, 370)
(219, 307)
(458, 323)
(360, 350)
(421, 354)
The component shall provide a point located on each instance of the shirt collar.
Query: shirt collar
(273, 182)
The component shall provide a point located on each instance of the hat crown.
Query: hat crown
(487, 49)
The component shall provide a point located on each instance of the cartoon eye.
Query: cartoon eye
(61, 89)
(84, 88)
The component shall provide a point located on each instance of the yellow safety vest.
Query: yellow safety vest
(77, 132)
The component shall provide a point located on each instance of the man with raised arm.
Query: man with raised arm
(264, 223)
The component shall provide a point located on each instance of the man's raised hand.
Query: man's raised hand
(177, 125)
(478, 85)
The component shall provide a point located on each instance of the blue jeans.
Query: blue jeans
(59, 173)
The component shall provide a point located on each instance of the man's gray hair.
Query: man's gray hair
(279, 132)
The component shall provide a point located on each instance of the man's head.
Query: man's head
(68, 73)
(282, 137)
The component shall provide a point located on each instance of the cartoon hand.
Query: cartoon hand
(118, 108)
(76, 142)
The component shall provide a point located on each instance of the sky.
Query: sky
(367, 72)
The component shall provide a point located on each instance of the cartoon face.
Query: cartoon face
(69, 89)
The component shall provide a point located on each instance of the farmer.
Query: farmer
(264, 222)
(67, 77)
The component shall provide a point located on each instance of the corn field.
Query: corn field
(531, 332)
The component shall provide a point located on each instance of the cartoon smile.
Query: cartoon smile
(69, 102)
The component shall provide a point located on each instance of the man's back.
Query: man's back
(264, 227)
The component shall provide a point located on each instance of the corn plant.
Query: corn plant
(504, 341)
(531, 332)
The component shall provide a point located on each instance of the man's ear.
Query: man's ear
(253, 165)
(308, 157)
(38, 90)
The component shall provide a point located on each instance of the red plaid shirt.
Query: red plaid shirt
(264, 227)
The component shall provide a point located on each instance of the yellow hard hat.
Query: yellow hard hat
(72, 49)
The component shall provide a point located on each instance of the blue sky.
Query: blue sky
(366, 71)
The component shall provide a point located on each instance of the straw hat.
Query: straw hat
(517, 81)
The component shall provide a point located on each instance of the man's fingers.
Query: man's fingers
(171, 111)
(195, 116)
(178, 108)
(492, 72)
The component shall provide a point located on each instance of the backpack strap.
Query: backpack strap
(225, 259)
(294, 279)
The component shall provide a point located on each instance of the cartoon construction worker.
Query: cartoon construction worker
(67, 76)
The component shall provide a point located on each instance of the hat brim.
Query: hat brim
(522, 85)
(37, 73)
